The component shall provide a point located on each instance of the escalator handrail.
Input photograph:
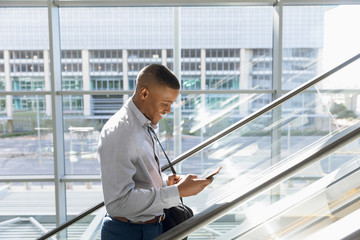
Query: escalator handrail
(270, 179)
(68, 223)
(259, 112)
(223, 133)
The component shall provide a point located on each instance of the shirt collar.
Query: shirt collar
(144, 121)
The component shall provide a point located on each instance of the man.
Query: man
(134, 189)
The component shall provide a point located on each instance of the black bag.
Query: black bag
(175, 216)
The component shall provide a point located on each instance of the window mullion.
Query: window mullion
(57, 113)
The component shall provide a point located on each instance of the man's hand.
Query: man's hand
(173, 179)
(190, 185)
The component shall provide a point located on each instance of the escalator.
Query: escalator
(292, 217)
(279, 179)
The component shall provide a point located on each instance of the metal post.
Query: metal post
(277, 85)
(202, 101)
(57, 114)
(177, 72)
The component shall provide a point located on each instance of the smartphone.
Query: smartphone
(213, 173)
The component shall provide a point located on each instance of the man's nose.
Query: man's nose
(168, 109)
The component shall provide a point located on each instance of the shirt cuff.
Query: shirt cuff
(172, 196)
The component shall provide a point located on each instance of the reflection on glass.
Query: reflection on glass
(302, 44)
(202, 117)
(309, 204)
(251, 151)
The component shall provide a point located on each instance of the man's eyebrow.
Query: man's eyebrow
(169, 101)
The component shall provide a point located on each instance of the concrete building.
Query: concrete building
(234, 53)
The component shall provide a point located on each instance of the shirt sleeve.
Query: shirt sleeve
(124, 196)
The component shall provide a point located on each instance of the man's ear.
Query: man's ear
(144, 93)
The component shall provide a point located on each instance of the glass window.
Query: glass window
(19, 197)
(31, 136)
(2, 66)
(73, 104)
(2, 83)
(27, 83)
(223, 48)
(301, 62)
(72, 83)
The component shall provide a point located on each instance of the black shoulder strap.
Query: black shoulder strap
(157, 139)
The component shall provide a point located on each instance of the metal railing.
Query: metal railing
(216, 211)
(68, 223)
(266, 181)
(260, 112)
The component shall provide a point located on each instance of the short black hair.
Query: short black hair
(161, 74)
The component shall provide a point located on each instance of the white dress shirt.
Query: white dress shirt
(133, 185)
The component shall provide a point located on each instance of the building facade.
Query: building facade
(102, 51)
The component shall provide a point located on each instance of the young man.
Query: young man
(135, 190)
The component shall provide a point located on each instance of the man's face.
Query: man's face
(158, 102)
